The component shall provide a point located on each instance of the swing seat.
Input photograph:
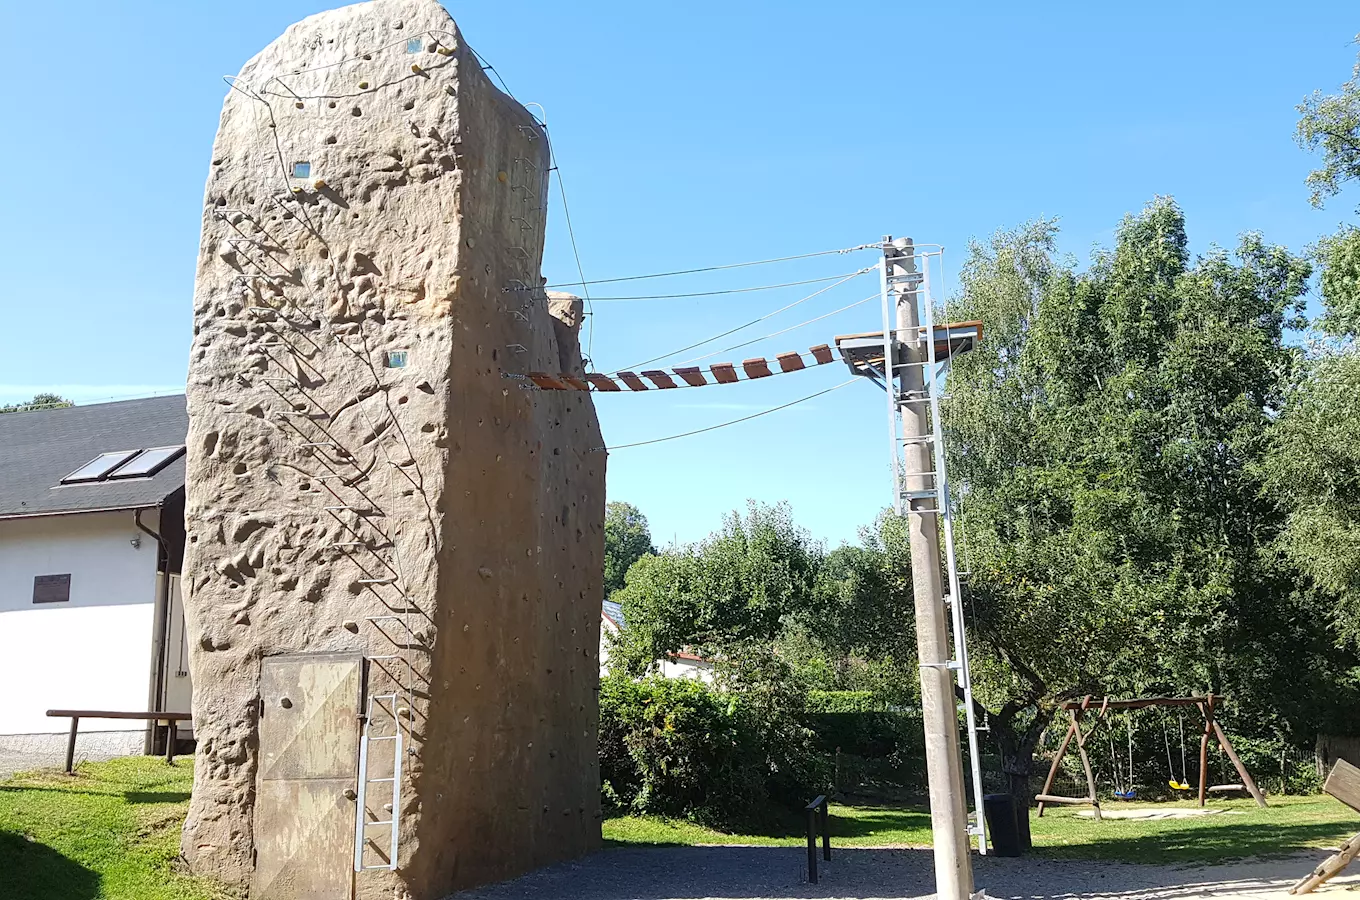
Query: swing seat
(1126, 795)
(1179, 785)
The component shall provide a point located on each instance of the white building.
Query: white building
(676, 665)
(91, 538)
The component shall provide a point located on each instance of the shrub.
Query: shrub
(876, 748)
(676, 747)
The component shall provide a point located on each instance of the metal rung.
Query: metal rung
(925, 494)
(919, 439)
(377, 580)
(376, 824)
(951, 664)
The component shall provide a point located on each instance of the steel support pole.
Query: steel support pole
(944, 764)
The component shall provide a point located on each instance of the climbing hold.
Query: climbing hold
(502, 177)
(444, 51)
(351, 625)
(298, 104)
(297, 190)
(319, 183)
(350, 794)
(363, 85)
(415, 67)
(285, 703)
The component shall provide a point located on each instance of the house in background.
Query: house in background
(676, 665)
(91, 540)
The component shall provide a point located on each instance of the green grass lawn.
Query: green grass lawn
(110, 832)
(1289, 824)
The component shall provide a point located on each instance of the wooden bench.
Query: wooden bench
(170, 720)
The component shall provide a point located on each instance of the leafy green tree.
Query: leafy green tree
(626, 540)
(39, 401)
(1314, 464)
(859, 632)
(1331, 122)
(736, 587)
(1106, 434)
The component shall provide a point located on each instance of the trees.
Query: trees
(734, 588)
(40, 401)
(1106, 434)
(626, 540)
(1314, 463)
(1332, 122)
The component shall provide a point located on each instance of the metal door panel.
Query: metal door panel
(309, 739)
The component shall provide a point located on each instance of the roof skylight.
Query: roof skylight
(148, 462)
(99, 467)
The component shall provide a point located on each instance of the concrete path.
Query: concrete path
(778, 873)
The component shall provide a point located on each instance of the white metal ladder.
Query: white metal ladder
(361, 821)
(916, 288)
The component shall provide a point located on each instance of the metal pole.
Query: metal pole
(944, 765)
(826, 828)
(812, 844)
(71, 746)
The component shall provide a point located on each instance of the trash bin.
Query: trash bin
(1003, 832)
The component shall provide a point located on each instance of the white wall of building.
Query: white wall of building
(93, 652)
(179, 692)
(684, 665)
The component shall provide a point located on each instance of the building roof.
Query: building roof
(613, 612)
(38, 448)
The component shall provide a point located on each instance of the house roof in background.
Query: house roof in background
(40, 447)
(613, 612)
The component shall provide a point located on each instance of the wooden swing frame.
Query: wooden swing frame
(1078, 709)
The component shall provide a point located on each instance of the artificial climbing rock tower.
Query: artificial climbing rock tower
(394, 564)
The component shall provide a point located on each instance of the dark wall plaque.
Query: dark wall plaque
(51, 588)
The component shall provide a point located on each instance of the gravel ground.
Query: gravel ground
(778, 873)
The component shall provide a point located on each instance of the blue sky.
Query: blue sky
(688, 135)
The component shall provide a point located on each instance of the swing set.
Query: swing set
(1079, 710)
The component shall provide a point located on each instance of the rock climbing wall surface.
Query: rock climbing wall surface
(363, 480)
